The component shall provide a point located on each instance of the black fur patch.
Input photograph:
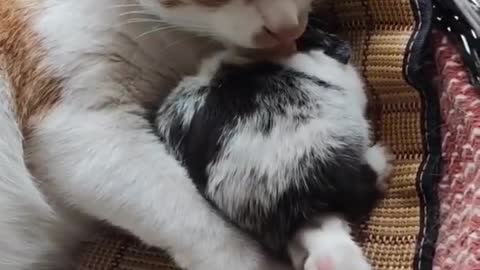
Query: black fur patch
(316, 39)
(342, 186)
(237, 92)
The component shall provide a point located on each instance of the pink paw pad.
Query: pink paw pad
(321, 264)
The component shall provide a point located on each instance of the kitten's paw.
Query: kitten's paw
(329, 263)
(381, 161)
(341, 255)
(327, 246)
(319, 264)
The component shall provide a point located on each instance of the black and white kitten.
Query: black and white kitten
(281, 148)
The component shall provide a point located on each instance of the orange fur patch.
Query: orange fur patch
(36, 91)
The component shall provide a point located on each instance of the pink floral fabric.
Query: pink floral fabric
(458, 246)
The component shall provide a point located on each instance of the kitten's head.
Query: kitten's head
(332, 45)
(243, 23)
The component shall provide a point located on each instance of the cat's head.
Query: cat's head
(316, 39)
(243, 23)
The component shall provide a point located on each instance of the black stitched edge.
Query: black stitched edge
(430, 172)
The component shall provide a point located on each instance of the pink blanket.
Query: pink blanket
(458, 246)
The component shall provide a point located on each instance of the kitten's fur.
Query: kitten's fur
(280, 145)
(76, 146)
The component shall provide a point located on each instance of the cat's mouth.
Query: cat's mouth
(286, 49)
(281, 50)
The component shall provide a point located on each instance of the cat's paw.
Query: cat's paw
(381, 161)
(237, 254)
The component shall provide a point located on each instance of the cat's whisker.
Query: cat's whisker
(124, 6)
(145, 20)
(137, 12)
(157, 30)
(199, 31)
(141, 20)
(178, 42)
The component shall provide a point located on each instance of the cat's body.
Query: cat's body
(76, 78)
(76, 82)
(280, 145)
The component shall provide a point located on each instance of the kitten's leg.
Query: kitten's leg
(327, 246)
(110, 165)
(380, 160)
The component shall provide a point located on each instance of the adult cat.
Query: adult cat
(76, 82)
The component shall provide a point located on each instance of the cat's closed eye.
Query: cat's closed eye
(244, 23)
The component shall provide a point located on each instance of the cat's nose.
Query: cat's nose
(283, 19)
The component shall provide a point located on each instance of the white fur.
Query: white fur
(32, 235)
(319, 65)
(140, 188)
(20, 200)
(328, 246)
(380, 159)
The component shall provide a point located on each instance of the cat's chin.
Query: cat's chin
(286, 49)
(279, 51)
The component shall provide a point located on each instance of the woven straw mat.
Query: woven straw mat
(400, 234)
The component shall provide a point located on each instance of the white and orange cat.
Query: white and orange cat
(76, 145)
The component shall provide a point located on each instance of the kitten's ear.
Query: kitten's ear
(339, 50)
(316, 21)
(332, 45)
